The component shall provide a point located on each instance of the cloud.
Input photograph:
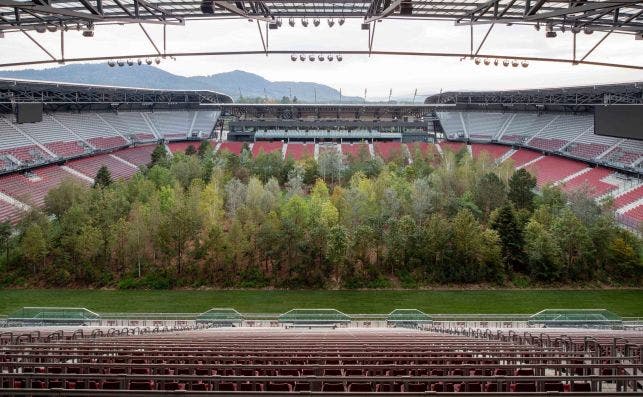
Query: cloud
(403, 74)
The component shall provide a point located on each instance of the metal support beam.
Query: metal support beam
(587, 7)
(385, 13)
(484, 39)
(226, 5)
(631, 18)
(263, 42)
(39, 45)
(149, 38)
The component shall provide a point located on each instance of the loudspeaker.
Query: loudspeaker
(207, 7)
(406, 8)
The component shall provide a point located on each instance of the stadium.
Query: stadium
(187, 241)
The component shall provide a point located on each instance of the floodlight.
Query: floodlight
(139, 62)
(130, 62)
(279, 22)
(330, 57)
(111, 63)
(302, 57)
(524, 64)
(495, 62)
(120, 62)
(157, 60)
(341, 21)
(148, 61)
(311, 58)
(340, 58)
(477, 61)
(487, 62)
(550, 35)
(588, 31)
(304, 22)
(321, 57)
(293, 57)
(41, 28)
(514, 63)
(316, 22)
(1, 34)
(638, 36)
(537, 26)
(331, 22)
(291, 22)
(52, 28)
(505, 63)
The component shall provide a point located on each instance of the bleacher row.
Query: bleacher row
(69, 135)
(571, 135)
(328, 361)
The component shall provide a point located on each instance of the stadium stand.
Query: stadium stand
(89, 166)
(525, 125)
(328, 361)
(389, 150)
(562, 130)
(20, 148)
(454, 147)
(55, 137)
(626, 153)
(9, 212)
(494, 151)
(266, 147)
(204, 122)
(137, 155)
(628, 197)
(232, 147)
(590, 146)
(181, 147)
(92, 128)
(551, 169)
(484, 126)
(172, 125)
(130, 124)
(299, 151)
(32, 186)
(591, 180)
(355, 150)
(523, 156)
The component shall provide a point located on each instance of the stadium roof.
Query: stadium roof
(574, 97)
(615, 15)
(80, 96)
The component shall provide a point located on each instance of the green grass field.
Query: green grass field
(623, 302)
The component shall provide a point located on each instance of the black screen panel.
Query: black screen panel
(622, 121)
(29, 112)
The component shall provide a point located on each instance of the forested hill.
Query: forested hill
(223, 221)
(231, 83)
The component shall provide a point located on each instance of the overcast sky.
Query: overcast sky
(377, 73)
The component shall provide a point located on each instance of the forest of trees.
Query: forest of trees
(226, 221)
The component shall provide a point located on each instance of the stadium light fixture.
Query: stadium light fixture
(505, 63)
(537, 27)
(331, 22)
(588, 30)
(341, 21)
(638, 36)
(111, 63)
(321, 57)
(514, 63)
(330, 57)
(487, 62)
(291, 22)
(157, 60)
(477, 61)
(316, 22)
(41, 28)
(340, 58)
(550, 34)
(311, 58)
(52, 28)
(1, 34)
(576, 29)
(293, 57)
(89, 30)
(304, 22)
(120, 63)
(130, 62)
(524, 64)
(495, 62)
(148, 61)
(139, 62)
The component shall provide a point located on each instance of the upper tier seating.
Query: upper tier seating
(592, 180)
(389, 150)
(205, 121)
(130, 124)
(32, 187)
(172, 125)
(299, 151)
(495, 151)
(89, 166)
(266, 147)
(92, 128)
(484, 125)
(451, 124)
(137, 155)
(552, 169)
(626, 153)
(590, 146)
(15, 144)
(562, 130)
(525, 125)
(55, 137)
